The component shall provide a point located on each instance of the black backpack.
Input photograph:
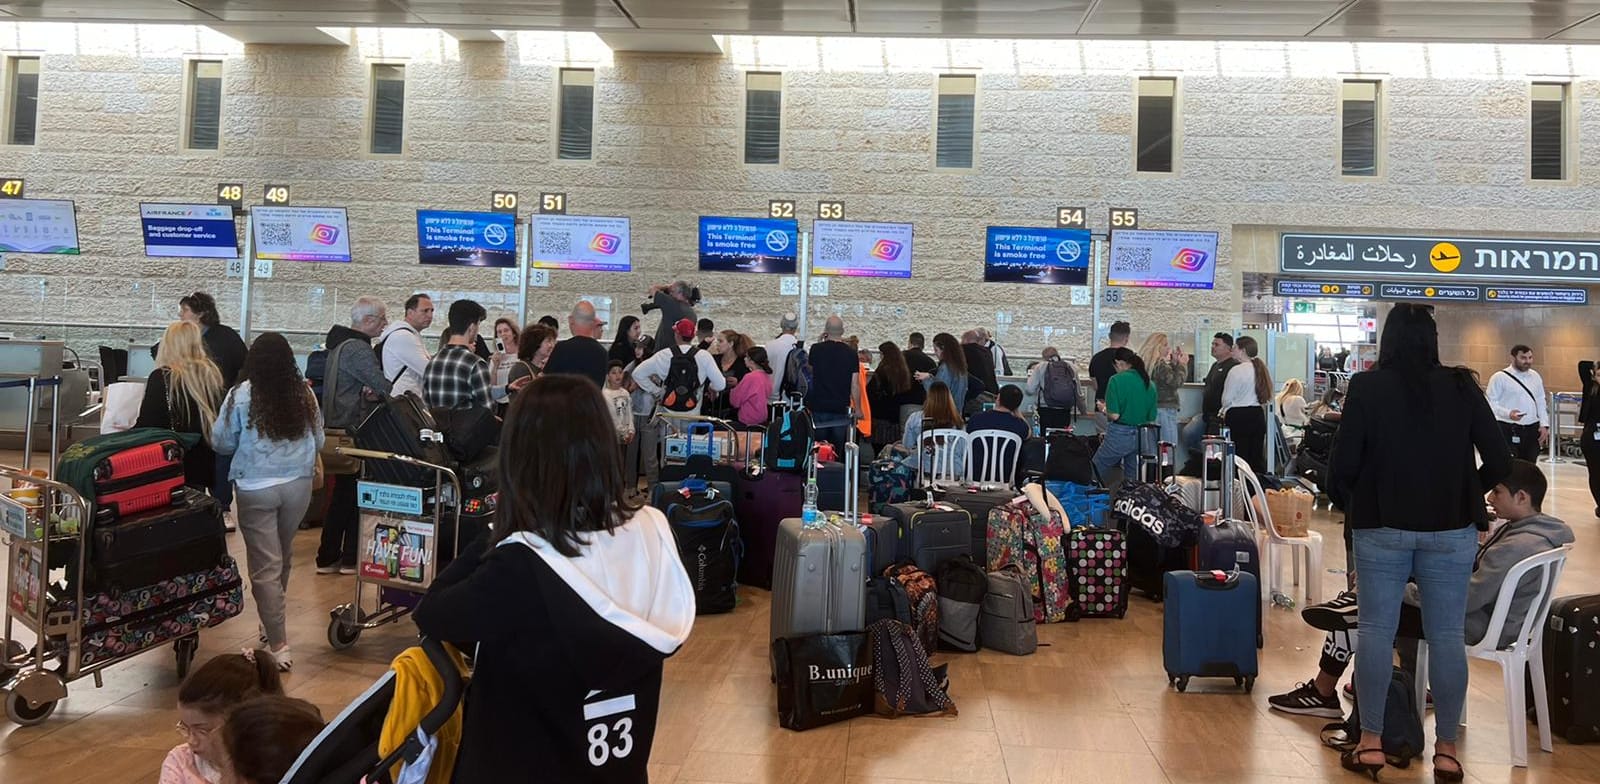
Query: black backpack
(903, 683)
(1403, 739)
(789, 437)
(316, 372)
(681, 392)
(1060, 386)
(796, 373)
(962, 586)
(709, 544)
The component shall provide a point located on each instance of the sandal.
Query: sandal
(1351, 761)
(1447, 776)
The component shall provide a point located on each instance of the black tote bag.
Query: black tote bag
(822, 678)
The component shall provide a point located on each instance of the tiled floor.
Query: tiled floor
(1093, 706)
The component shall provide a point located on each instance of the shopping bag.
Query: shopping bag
(822, 678)
(1290, 510)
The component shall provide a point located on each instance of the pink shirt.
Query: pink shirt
(183, 767)
(751, 396)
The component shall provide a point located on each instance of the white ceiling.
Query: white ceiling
(1410, 20)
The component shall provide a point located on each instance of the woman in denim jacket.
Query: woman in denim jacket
(272, 426)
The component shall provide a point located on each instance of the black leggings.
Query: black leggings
(1339, 646)
(1591, 455)
(1248, 429)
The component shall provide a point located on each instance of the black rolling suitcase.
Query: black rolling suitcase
(1572, 668)
(158, 545)
(928, 535)
(978, 504)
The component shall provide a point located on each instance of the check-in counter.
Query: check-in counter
(23, 359)
(1190, 401)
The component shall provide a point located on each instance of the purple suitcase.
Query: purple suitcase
(760, 505)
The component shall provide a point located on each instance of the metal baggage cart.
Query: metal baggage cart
(397, 545)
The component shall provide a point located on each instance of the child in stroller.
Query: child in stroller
(348, 750)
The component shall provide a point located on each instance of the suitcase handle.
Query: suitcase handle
(1217, 580)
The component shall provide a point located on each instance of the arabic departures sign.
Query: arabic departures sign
(1504, 260)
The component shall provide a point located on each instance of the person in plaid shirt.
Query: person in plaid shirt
(457, 377)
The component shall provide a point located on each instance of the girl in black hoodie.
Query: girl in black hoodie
(576, 603)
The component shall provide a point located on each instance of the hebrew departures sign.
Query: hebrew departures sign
(1433, 257)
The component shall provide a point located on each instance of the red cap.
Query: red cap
(684, 328)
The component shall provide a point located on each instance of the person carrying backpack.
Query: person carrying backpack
(679, 377)
(1054, 384)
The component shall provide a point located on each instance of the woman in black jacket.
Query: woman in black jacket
(575, 605)
(183, 394)
(1589, 415)
(1405, 464)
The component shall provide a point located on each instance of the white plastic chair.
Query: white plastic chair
(941, 458)
(1001, 451)
(1524, 654)
(1311, 542)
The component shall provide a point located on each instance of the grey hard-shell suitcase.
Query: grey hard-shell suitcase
(1006, 621)
(819, 573)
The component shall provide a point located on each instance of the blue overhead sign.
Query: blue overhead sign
(1537, 296)
(1562, 261)
(1426, 291)
(1324, 288)
(1021, 254)
(748, 245)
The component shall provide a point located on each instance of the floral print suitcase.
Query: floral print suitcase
(1019, 534)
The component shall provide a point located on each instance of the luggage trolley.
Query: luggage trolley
(397, 544)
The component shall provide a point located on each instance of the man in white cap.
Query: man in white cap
(778, 350)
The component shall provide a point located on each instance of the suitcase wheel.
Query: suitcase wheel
(24, 714)
(343, 628)
(185, 649)
(1182, 682)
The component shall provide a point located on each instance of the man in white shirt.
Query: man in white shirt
(778, 351)
(400, 348)
(1516, 394)
(1002, 363)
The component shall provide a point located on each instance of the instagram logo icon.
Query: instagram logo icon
(886, 250)
(323, 234)
(1189, 260)
(605, 243)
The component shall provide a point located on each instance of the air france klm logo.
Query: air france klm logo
(886, 250)
(1190, 260)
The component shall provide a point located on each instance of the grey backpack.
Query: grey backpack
(1006, 622)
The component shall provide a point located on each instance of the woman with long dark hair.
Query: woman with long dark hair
(890, 388)
(1247, 388)
(1130, 402)
(1406, 469)
(939, 412)
(952, 370)
(603, 599)
(628, 331)
(271, 425)
(1589, 415)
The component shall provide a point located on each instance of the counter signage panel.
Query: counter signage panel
(1465, 257)
(748, 245)
(581, 242)
(1324, 288)
(1410, 291)
(1535, 296)
(1163, 259)
(38, 226)
(1018, 254)
(467, 239)
(857, 248)
(301, 233)
(204, 231)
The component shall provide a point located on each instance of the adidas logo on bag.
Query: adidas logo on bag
(1140, 515)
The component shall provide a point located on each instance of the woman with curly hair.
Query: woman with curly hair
(271, 425)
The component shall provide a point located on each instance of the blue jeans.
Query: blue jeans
(1120, 446)
(1193, 433)
(833, 428)
(1167, 418)
(1441, 564)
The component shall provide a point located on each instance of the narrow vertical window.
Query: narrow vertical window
(388, 109)
(763, 117)
(205, 105)
(1358, 129)
(1548, 134)
(22, 108)
(1156, 121)
(957, 100)
(577, 115)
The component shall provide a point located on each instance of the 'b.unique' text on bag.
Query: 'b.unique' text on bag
(822, 678)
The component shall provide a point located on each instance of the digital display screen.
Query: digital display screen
(1018, 254)
(581, 242)
(1163, 259)
(301, 233)
(467, 239)
(38, 226)
(748, 245)
(861, 249)
(204, 231)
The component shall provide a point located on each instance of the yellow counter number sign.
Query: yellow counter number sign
(781, 209)
(11, 188)
(552, 204)
(503, 201)
(1070, 218)
(830, 210)
(276, 195)
(1124, 218)
(231, 194)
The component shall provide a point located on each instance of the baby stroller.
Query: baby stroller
(346, 751)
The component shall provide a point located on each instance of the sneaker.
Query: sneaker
(1335, 616)
(284, 658)
(329, 569)
(347, 570)
(230, 523)
(1305, 700)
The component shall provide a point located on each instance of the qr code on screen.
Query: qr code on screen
(276, 234)
(836, 249)
(555, 243)
(1131, 260)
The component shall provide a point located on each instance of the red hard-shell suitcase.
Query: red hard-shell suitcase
(138, 479)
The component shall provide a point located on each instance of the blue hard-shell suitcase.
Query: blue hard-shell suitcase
(1209, 629)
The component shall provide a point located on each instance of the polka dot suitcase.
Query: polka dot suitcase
(1097, 573)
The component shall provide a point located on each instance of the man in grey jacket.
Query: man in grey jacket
(1529, 532)
(354, 382)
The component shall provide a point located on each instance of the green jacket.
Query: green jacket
(1131, 399)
